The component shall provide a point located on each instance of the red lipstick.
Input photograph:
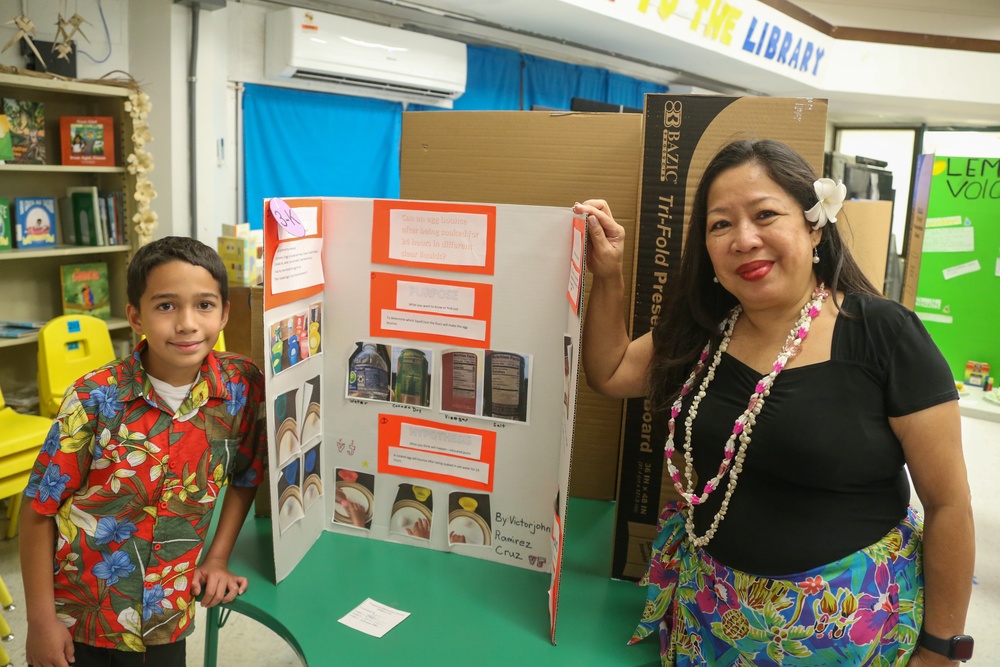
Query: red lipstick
(753, 271)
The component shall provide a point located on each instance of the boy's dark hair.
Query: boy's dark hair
(168, 249)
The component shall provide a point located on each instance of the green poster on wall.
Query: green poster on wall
(959, 288)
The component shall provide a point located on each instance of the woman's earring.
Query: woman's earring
(715, 279)
(816, 255)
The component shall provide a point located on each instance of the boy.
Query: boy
(122, 493)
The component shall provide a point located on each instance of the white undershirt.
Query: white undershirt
(171, 395)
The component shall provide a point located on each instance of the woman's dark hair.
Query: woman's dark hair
(168, 249)
(697, 305)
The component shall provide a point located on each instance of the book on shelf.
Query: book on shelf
(6, 233)
(24, 324)
(84, 224)
(6, 147)
(91, 218)
(35, 222)
(16, 332)
(27, 130)
(87, 140)
(85, 289)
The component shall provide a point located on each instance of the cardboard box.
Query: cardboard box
(262, 501)
(240, 255)
(681, 135)
(866, 227)
(238, 327)
(915, 229)
(543, 158)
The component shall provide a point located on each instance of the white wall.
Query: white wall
(151, 40)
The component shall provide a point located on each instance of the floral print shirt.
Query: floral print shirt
(132, 486)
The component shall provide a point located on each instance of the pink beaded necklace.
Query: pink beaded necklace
(742, 428)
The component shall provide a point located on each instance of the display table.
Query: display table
(974, 404)
(463, 611)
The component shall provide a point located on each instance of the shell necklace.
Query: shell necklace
(744, 424)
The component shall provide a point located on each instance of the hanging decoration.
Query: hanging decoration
(140, 163)
(25, 29)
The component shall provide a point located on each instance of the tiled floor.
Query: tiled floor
(245, 643)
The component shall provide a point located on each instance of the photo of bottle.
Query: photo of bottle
(412, 384)
(368, 373)
(459, 389)
(505, 386)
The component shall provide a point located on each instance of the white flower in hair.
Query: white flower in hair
(831, 199)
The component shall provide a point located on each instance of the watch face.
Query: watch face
(961, 647)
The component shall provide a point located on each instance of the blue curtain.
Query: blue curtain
(552, 84)
(301, 144)
(629, 92)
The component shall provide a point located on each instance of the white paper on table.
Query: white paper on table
(927, 302)
(373, 618)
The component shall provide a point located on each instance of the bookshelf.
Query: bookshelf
(29, 279)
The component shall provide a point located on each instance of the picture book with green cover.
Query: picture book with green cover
(6, 147)
(27, 130)
(6, 234)
(85, 289)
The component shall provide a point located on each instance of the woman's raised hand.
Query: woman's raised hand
(607, 239)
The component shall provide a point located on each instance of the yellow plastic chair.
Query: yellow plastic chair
(69, 347)
(21, 437)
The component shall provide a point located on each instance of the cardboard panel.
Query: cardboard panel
(538, 158)
(866, 226)
(681, 134)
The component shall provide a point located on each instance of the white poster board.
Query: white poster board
(422, 371)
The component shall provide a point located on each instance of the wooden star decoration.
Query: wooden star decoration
(24, 28)
(61, 35)
(75, 22)
(63, 49)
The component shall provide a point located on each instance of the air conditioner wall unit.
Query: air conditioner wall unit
(363, 58)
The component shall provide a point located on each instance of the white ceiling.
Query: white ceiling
(550, 29)
(978, 19)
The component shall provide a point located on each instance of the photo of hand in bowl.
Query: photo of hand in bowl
(354, 498)
(468, 521)
(411, 518)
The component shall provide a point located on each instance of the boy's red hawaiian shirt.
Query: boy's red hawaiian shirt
(132, 487)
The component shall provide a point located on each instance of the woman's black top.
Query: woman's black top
(823, 475)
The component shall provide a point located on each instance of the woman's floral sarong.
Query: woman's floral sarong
(862, 610)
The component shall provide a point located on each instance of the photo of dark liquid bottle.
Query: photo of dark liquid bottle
(458, 382)
(411, 378)
(505, 386)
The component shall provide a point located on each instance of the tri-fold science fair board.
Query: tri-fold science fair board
(422, 372)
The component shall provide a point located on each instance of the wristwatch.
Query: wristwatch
(958, 647)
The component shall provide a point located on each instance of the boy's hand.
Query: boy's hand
(219, 583)
(49, 644)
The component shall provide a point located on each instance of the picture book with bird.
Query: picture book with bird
(85, 289)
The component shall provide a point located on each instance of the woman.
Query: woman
(794, 394)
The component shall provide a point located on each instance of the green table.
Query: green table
(463, 611)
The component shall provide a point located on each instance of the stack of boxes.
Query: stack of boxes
(241, 250)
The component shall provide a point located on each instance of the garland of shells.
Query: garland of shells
(139, 163)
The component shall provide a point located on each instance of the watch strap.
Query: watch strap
(959, 647)
(938, 645)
